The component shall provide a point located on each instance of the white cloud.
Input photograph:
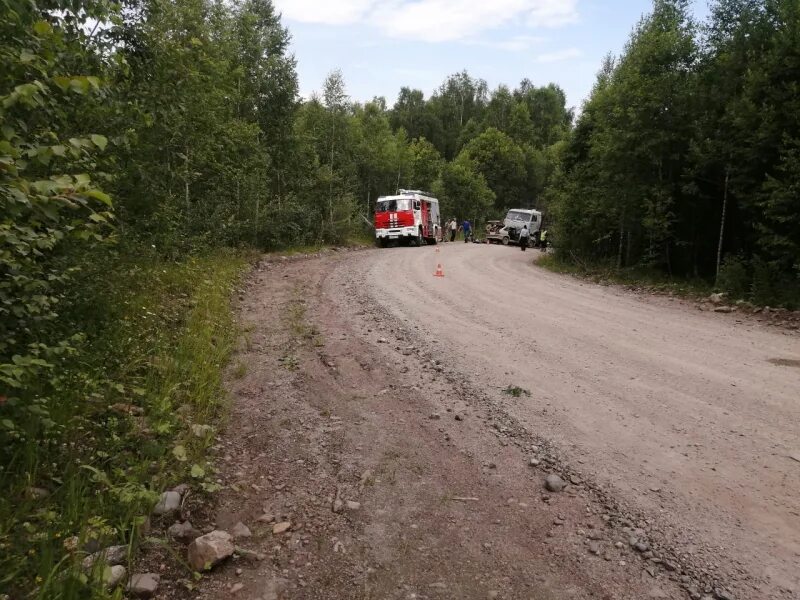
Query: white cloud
(432, 20)
(330, 12)
(560, 55)
(517, 43)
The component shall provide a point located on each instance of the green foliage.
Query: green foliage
(501, 162)
(687, 148)
(50, 199)
(157, 337)
(735, 278)
(463, 191)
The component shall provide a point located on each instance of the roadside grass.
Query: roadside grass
(516, 391)
(357, 239)
(604, 274)
(157, 336)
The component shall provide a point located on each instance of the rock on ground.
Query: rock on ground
(283, 527)
(183, 532)
(113, 576)
(169, 502)
(240, 530)
(209, 550)
(113, 555)
(554, 483)
(144, 585)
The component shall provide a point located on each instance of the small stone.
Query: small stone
(353, 505)
(37, 493)
(144, 585)
(435, 417)
(281, 527)
(209, 550)
(723, 309)
(459, 417)
(492, 595)
(594, 547)
(113, 576)
(721, 594)
(657, 592)
(716, 298)
(169, 502)
(240, 530)
(183, 532)
(266, 518)
(641, 546)
(122, 408)
(237, 587)
(534, 462)
(202, 431)
(113, 555)
(554, 483)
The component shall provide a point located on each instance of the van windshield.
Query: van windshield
(392, 205)
(515, 215)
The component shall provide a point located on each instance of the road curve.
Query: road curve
(680, 412)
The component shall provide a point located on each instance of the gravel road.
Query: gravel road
(688, 416)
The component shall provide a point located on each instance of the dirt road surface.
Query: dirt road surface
(404, 424)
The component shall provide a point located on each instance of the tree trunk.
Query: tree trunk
(722, 221)
(330, 185)
(628, 250)
(186, 181)
(621, 237)
(255, 224)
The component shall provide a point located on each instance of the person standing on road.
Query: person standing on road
(453, 226)
(524, 237)
(543, 241)
(467, 230)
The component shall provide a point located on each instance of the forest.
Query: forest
(149, 148)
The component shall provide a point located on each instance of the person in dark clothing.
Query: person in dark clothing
(467, 230)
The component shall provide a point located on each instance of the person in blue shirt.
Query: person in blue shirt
(467, 228)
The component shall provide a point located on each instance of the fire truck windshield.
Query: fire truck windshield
(392, 205)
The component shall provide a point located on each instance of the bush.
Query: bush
(734, 277)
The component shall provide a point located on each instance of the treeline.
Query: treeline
(480, 152)
(686, 157)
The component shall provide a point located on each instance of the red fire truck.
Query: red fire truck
(410, 216)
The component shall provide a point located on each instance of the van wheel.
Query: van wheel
(505, 241)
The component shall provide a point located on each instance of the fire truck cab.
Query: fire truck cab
(412, 216)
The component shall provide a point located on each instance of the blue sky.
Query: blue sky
(381, 45)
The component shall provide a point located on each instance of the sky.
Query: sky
(382, 45)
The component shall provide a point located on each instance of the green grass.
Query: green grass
(603, 273)
(157, 336)
(516, 391)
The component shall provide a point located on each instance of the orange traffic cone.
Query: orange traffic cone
(439, 271)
